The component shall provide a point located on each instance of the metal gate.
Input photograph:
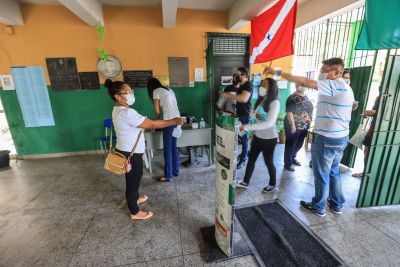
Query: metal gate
(337, 37)
(381, 182)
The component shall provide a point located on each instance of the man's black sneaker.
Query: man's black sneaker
(241, 164)
(242, 184)
(289, 168)
(335, 210)
(269, 189)
(296, 162)
(308, 206)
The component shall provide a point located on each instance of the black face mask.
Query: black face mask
(237, 79)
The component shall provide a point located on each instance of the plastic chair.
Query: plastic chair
(106, 139)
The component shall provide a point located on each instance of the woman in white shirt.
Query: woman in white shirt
(265, 134)
(165, 100)
(128, 123)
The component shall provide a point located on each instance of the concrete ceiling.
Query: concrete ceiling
(222, 5)
(240, 11)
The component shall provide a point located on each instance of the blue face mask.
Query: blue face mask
(130, 99)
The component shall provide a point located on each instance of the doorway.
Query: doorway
(225, 53)
(6, 141)
(381, 182)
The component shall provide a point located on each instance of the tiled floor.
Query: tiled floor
(68, 211)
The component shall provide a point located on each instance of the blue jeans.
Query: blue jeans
(293, 143)
(244, 140)
(171, 158)
(326, 154)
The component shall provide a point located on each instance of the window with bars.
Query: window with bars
(229, 44)
(335, 37)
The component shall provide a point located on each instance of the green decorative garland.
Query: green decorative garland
(100, 33)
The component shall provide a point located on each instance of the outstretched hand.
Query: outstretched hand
(269, 71)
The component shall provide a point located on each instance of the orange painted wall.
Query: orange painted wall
(135, 35)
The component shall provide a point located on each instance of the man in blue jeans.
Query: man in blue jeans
(334, 107)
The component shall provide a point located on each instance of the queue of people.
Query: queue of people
(334, 107)
(333, 114)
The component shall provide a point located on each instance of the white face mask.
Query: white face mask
(322, 76)
(262, 91)
(301, 89)
(130, 99)
(347, 81)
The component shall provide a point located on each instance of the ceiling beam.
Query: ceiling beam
(313, 12)
(90, 11)
(169, 10)
(10, 13)
(243, 11)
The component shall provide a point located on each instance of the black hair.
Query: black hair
(153, 84)
(346, 71)
(272, 94)
(114, 88)
(244, 71)
(334, 61)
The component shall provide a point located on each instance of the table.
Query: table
(189, 137)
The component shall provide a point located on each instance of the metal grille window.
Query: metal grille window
(335, 37)
(229, 44)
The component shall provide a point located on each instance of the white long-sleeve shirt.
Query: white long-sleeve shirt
(267, 129)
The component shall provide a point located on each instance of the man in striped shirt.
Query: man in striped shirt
(334, 107)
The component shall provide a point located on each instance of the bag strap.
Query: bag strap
(136, 143)
(110, 138)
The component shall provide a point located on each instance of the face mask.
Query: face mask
(301, 89)
(322, 76)
(262, 91)
(347, 81)
(237, 79)
(130, 99)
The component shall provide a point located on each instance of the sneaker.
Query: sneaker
(242, 184)
(289, 168)
(296, 162)
(333, 209)
(269, 189)
(308, 206)
(241, 164)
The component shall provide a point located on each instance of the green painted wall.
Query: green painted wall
(79, 117)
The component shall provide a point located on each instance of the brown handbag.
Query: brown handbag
(117, 162)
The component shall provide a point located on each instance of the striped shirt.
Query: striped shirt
(334, 107)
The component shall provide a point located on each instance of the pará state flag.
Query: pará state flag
(381, 25)
(272, 32)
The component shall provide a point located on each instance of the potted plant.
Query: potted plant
(281, 128)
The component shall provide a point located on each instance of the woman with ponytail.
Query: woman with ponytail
(265, 134)
(164, 100)
(128, 123)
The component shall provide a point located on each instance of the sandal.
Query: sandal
(163, 179)
(142, 199)
(358, 175)
(149, 214)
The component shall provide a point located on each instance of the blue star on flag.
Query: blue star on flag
(269, 37)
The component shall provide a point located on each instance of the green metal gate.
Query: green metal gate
(381, 182)
(360, 80)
